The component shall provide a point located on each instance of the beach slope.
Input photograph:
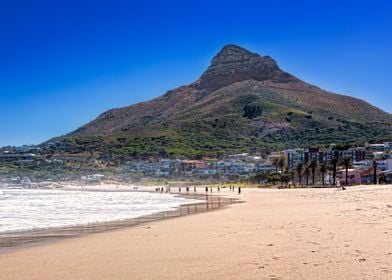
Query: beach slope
(274, 234)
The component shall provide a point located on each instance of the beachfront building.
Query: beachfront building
(355, 154)
(188, 166)
(363, 164)
(388, 146)
(294, 157)
(206, 172)
(377, 147)
(264, 167)
(363, 172)
(384, 165)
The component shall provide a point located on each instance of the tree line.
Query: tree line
(306, 173)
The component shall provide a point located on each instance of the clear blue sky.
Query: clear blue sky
(62, 63)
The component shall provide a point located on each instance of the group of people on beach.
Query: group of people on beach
(167, 189)
(161, 189)
(233, 189)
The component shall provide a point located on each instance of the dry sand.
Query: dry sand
(275, 234)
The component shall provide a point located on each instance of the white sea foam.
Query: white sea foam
(24, 209)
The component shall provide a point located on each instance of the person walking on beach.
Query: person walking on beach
(338, 186)
(206, 189)
(239, 190)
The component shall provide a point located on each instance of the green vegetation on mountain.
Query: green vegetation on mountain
(242, 103)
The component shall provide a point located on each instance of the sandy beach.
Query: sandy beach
(274, 234)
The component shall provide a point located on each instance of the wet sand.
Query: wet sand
(275, 234)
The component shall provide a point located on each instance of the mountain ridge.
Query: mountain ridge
(242, 102)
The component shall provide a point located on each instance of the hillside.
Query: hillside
(243, 102)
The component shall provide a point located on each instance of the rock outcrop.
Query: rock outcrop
(235, 64)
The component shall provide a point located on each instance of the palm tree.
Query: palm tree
(307, 173)
(312, 166)
(346, 163)
(300, 168)
(375, 171)
(323, 170)
(281, 163)
(334, 165)
(275, 162)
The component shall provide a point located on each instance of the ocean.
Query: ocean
(23, 210)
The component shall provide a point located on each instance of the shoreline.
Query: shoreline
(19, 240)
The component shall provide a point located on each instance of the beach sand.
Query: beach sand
(275, 234)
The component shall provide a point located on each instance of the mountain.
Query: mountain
(243, 102)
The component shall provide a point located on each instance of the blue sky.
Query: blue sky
(62, 63)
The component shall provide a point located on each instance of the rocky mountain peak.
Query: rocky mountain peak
(231, 53)
(234, 64)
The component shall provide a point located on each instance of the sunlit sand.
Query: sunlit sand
(275, 234)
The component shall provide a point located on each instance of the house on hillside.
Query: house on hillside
(206, 172)
(190, 165)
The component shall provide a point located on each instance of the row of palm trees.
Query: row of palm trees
(309, 170)
(312, 167)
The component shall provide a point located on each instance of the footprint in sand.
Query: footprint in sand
(385, 270)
